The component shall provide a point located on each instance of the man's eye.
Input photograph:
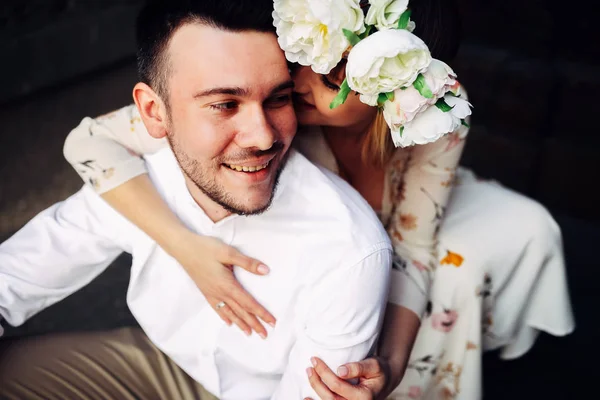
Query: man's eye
(280, 100)
(230, 105)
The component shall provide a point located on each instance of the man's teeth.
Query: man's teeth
(241, 168)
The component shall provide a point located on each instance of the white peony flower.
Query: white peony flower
(385, 14)
(431, 124)
(384, 62)
(408, 102)
(311, 31)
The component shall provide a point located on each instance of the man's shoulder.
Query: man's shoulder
(325, 198)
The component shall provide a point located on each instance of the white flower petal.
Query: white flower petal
(427, 127)
(385, 14)
(460, 107)
(310, 32)
(368, 99)
(385, 61)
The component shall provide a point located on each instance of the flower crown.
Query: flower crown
(388, 65)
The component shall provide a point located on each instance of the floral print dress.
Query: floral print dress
(480, 264)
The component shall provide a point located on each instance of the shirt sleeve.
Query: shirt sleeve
(345, 310)
(420, 206)
(106, 151)
(59, 251)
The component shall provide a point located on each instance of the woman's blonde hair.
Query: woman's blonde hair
(377, 145)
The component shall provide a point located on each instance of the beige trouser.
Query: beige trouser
(121, 364)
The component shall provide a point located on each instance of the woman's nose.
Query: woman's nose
(301, 76)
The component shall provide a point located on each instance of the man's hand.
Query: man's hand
(372, 375)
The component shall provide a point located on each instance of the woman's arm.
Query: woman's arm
(398, 334)
(419, 211)
(377, 377)
(105, 152)
(428, 179)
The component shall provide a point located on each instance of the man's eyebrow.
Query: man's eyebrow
(241, 92)
(232, 91)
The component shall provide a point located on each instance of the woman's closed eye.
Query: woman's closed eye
(328, 84)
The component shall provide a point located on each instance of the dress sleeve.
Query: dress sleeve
(106, 151)
(420, 203)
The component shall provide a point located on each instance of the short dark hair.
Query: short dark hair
(439, 25)
(159, 19)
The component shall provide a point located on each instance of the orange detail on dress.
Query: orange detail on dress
(452, 259)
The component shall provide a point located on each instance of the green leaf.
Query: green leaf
(464, 123)
(341, 96)
(442, 105)
(351, 36)
(366, 32)
(404, 19)
(422, 87)
(401, 130)
(383, 97)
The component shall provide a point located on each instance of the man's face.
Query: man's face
(231, 116)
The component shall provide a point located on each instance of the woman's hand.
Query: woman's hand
(209, 262)
(372, 375)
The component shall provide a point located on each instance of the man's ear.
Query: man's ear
(152, 110)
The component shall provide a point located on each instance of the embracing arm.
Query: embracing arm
(419, 211)
(430, 172)
(342, 321)
(105, 152)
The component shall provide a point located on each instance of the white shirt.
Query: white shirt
(329, 258)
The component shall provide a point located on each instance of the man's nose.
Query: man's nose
(258, 132)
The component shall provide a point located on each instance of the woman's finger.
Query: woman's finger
(362, 369)
(227, 312)
(333, 382)
(248, 318)
(214, 302)
(231, 256)
(319, 387)
(249, 303)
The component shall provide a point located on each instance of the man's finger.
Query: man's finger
(234, 257)
(248, 318)
(332, 381)
(249, 303)
(365, 369)
(319, 387)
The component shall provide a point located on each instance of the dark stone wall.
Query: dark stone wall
(530, 68)
(49, 42)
